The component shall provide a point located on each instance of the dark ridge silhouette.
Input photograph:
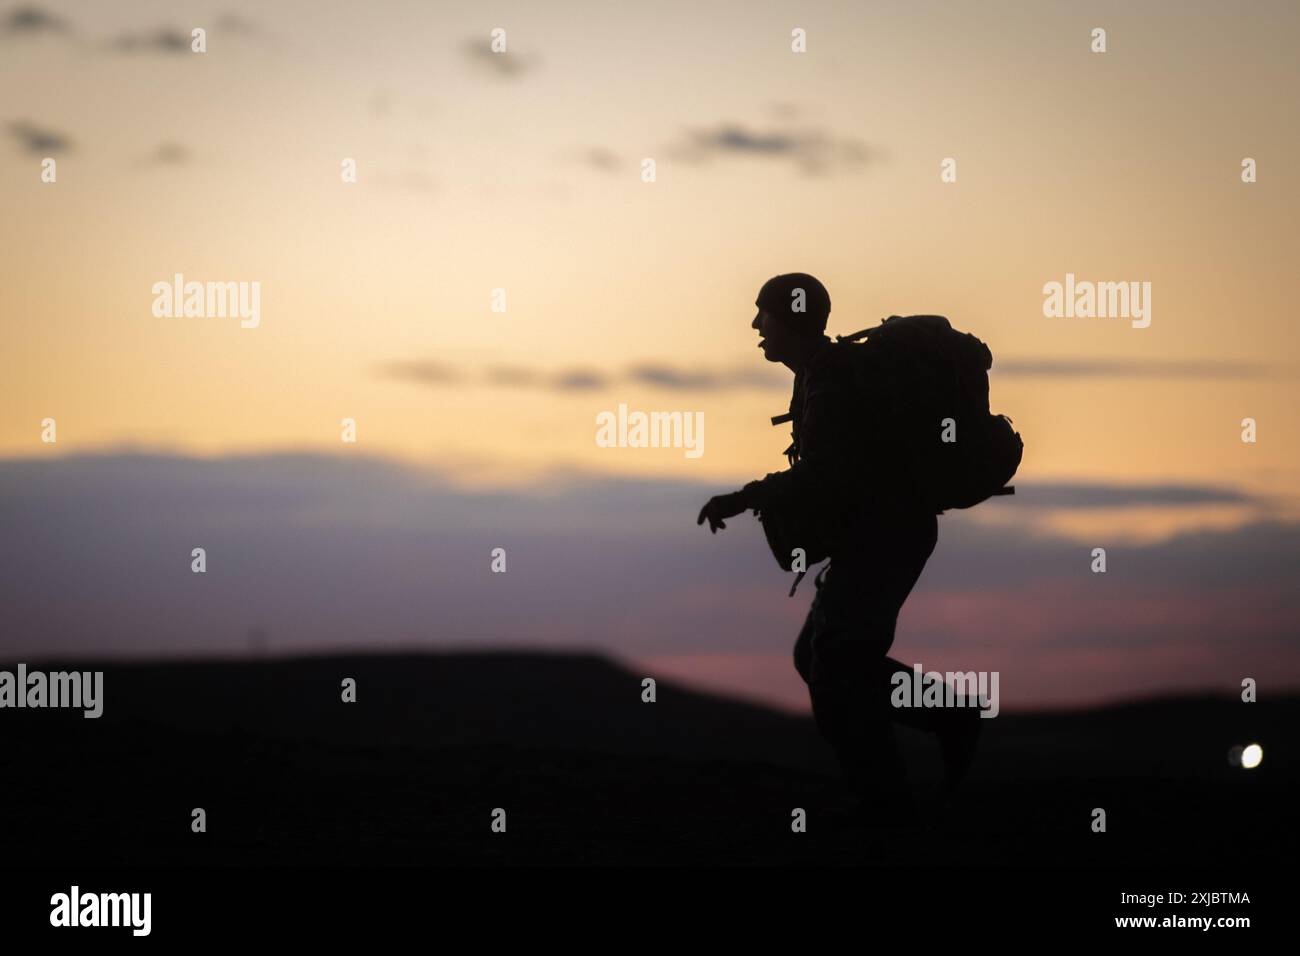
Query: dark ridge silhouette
(588, 773)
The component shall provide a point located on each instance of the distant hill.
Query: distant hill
(587, 772)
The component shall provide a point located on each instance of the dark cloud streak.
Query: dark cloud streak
(422, 372)
(1091, 495)
(605, 160)
(743, 378)
(1138, 368)
(814, 151)
(170, 154)
(508, 65)
(30, 20)
(662, 376)
(37, 141)
(162, 40)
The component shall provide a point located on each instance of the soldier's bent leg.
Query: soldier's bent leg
(853, 717)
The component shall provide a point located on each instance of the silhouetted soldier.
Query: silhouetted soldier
(878, 532)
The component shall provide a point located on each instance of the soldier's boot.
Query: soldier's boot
(858, 729)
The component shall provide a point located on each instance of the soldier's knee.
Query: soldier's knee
(803, 657)
(840, 656)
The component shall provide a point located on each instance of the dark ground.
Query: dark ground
(587, 773)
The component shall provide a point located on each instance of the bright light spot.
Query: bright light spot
(1251, 756)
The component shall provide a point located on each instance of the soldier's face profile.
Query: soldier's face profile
(773, 337)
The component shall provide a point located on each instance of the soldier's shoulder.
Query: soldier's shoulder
(834, 361)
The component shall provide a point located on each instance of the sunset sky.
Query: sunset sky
(522, 171)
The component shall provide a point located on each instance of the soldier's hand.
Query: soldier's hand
(720, 507)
